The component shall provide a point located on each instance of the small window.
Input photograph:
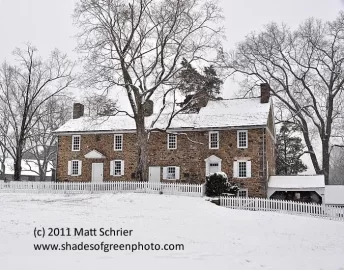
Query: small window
(76, 143)
(75, 167)
(243, 192)
(213, 140)
(242, 139)
(117, 167)
(171, 141)
(118, 142)
(242, 169)
(171, 173)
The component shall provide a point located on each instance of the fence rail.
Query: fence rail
(289, 207)
(106, 187)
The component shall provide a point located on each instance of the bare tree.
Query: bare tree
(42, 142)
(99, 104)
(3, 134)
(137, 47)
(24, 89)
(305, 69)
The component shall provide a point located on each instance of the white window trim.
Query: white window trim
(245, 131)
(248, 169)
(112, 168)
(70, 167)
(114, 142)
(218, 139)
(165, 173)
(168, 141)
(243, 189)
(75, 136)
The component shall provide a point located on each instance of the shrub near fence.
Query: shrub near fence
(288, 207)
(105, 187)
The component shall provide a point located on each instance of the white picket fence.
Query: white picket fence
(105, 187)
(289, 207)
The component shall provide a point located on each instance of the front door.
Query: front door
(97, 172)
(154, 174)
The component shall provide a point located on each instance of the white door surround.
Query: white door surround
(212, 164)
(97, 172)
(154, 174)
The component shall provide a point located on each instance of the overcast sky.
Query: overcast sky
(47, 24)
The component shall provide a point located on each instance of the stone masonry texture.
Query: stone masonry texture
(192, 150)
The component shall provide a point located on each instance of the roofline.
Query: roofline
(118, 131)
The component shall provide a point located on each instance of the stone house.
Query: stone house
(236, 136)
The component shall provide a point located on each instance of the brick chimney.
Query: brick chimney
(264, 93)
(78, 110)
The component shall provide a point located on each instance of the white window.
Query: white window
(118, 142)
(74, 167)
(76, 142)
(243, 192)
(171, 141)
(242, 169)
(171, 173)
(242, 139)
(213, 140)
(117, 167)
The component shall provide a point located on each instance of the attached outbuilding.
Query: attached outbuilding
(303, 188)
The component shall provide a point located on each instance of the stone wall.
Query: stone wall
(192, 150)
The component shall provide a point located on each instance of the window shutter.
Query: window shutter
(164, 173)
(79, 167)
(235, 169)
(248, 168)
(122, 167)
(177, 173)
(111, 167)
(69, 168)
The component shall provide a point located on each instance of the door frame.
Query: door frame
(149, 174)
(102, 174)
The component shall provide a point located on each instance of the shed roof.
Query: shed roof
(217, 114)
(297, 181)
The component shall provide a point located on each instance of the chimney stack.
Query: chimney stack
(78, 110)
(264, 93)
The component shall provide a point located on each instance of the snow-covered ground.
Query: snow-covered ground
(213, 237)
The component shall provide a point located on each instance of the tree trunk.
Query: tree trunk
(142, 147)
(326, 160)
(17, 165)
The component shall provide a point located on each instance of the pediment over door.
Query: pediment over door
(213, 158)
(94, 154)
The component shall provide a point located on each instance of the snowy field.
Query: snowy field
(213, 237)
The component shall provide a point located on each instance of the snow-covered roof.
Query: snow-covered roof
(334, 194)
(297, 181)
(217, 114)
(29, 167)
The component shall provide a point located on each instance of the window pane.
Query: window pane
(117, 167)
(242, 137)
(242, 169)
(118, 142)
(171, 173)
(214, 140)
(172, 141)
(76, 143)
(75, 167)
